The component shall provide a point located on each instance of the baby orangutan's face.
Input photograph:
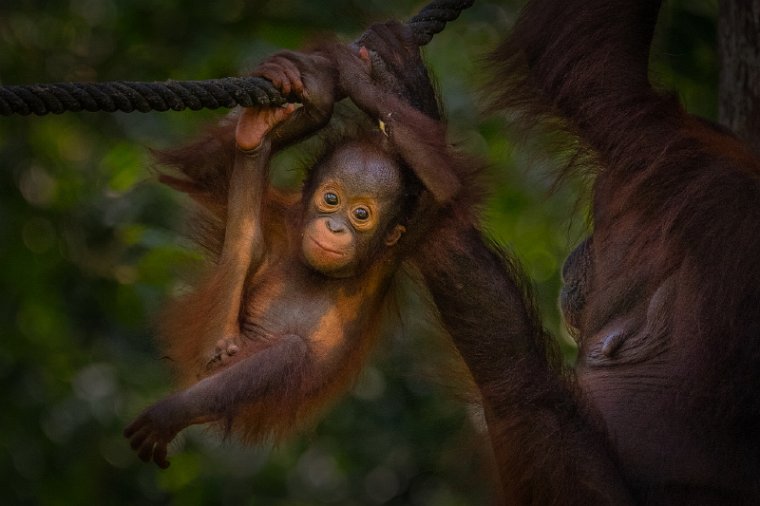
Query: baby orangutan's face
(350, 213)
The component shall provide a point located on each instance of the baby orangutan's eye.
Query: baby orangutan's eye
(331, 199)
(361, 213)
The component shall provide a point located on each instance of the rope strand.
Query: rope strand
(128, 96)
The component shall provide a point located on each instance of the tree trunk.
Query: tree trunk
(739, 52)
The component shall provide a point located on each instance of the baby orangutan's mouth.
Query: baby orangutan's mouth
(326, 249)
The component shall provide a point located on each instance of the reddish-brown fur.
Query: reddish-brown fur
(267, 337)
(663, 407)
(190, 355)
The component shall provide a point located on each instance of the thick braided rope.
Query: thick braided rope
(128, 96)
(432, 19)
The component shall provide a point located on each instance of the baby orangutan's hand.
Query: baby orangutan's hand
(152, 431)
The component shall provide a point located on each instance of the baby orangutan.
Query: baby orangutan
(283, 321)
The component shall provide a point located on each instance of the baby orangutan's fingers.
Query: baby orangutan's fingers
(139, 437)
(283, 73)
(159, 455)
(145, 452)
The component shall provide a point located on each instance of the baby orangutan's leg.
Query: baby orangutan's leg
(244, 243)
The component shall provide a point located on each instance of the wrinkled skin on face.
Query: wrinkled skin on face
(352, 212)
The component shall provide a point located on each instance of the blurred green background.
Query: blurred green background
(90, 246)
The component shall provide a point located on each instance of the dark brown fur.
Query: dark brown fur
(663, 408)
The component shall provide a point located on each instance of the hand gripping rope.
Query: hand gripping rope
(128, 96)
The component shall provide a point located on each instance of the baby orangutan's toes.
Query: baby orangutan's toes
(225, 349)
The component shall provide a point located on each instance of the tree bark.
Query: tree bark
(739, 52)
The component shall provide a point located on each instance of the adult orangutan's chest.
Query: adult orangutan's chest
(663, 451)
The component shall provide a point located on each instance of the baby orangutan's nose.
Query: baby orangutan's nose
(335, 226)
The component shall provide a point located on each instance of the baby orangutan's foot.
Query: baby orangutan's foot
(256, 122)
(224, 350)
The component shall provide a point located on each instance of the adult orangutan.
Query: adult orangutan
(664, 296)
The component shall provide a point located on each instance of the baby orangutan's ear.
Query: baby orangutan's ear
(394, 235)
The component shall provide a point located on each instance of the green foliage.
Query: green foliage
(90, 246)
